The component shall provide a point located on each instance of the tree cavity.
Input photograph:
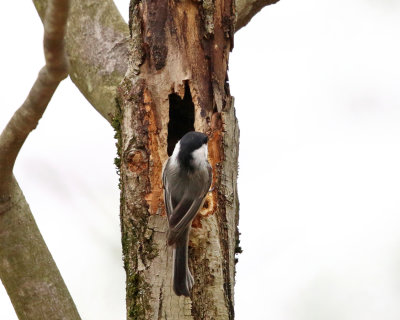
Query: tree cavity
(181, 117)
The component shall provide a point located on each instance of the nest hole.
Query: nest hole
(181, 117)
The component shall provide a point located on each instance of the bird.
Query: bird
(187, 177)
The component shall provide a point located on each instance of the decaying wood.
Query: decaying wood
(177, 81)
(27, 270)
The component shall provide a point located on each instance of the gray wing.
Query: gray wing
(185, 211)
(167, 193)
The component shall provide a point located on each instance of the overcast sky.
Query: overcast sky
(317, 93)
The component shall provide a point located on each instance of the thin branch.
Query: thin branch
(247, 9)
(27, 269)
(26, 118)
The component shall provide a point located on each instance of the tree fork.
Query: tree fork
(176, 82)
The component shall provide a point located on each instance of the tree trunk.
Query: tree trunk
(177, 82)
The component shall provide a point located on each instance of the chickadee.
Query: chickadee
(187, 178)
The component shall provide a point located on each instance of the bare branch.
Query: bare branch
(97, 46)
(247, 9)
(27, 269)
(27, 116)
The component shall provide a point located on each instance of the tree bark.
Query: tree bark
(177, 82)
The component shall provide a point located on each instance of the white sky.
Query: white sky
(317, 90)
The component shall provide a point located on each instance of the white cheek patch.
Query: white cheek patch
(174, 156)
(200, 156)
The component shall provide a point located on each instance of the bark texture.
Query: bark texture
(177, 82)
(27, 269)
(97, 43)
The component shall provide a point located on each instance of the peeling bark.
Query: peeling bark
(179, 62)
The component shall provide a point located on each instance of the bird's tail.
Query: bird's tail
(183, 280)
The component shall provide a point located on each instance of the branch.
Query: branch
(247, 9)
(97, 46)
(27, 269)
(27, 116)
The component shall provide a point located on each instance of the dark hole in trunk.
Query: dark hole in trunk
(181, 117)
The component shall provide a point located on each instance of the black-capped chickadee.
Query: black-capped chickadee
(187, 178)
